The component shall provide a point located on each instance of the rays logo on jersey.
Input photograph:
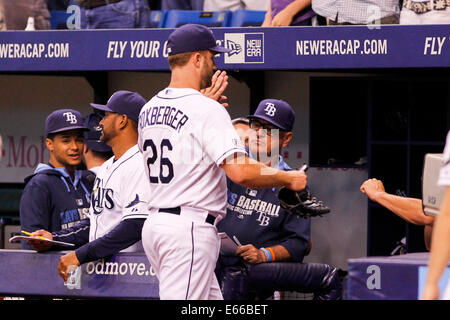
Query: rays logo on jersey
(101, 198)
(245, 47)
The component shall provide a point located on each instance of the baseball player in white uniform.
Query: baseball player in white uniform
(440, 244)
(187, 141)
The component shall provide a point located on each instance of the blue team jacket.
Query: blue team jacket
(255, 217)
(52, 201)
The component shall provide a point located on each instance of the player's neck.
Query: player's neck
(122, 144)
(92, 162)
(69, 168)
(182, 80)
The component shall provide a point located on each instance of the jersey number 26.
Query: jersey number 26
(163, 162)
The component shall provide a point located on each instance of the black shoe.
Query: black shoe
(311, 205)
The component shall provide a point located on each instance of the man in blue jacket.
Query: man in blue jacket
(57, 195)
(273, 241)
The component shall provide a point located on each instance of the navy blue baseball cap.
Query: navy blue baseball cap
(64, 120)
(193, 37)
(277, 112)
(92, 137)
(123, 102)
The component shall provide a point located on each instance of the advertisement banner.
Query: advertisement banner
(252, 48)
(124, 275)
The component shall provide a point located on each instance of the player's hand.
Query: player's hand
(251, 254)
(219, 83)
(297, 180)
(373, 188)
(69, 259)
(430, 292)
(37, 244)
(282, 19)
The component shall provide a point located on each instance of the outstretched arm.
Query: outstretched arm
(253, 174)
(126, 233)
(409, 209)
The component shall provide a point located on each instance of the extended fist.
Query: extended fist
(372, 187)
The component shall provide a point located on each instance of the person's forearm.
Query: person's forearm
(296, 6)
(409, 209)
(281, 254)
(427, 234)
(125, 234)
(267, 17)
(440, 245)
(253, 174)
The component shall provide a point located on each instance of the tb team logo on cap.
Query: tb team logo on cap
(245, 48)
(70, 117)
(270, 109)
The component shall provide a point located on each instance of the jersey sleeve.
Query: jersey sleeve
(135, 192)
(77, 235)
(296, 233)
(125, 234)
(220, 138)
(444, 174)
(34, 209)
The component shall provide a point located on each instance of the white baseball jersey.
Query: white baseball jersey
(444, 174)
(120, 192)
(184, 137)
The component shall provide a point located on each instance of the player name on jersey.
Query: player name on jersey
(163, 115)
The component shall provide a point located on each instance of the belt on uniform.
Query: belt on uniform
(177, 210)
(90, 4)
(425, 5)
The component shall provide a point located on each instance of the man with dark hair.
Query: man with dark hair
(273, 242)
(57, 195)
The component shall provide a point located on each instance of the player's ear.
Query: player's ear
(286, 139)
(123, 120)
(49, 144)
(197, 58)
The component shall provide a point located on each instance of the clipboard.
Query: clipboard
(228, 246)
(19, 238)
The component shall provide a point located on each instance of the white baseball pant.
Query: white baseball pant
(183, 250)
